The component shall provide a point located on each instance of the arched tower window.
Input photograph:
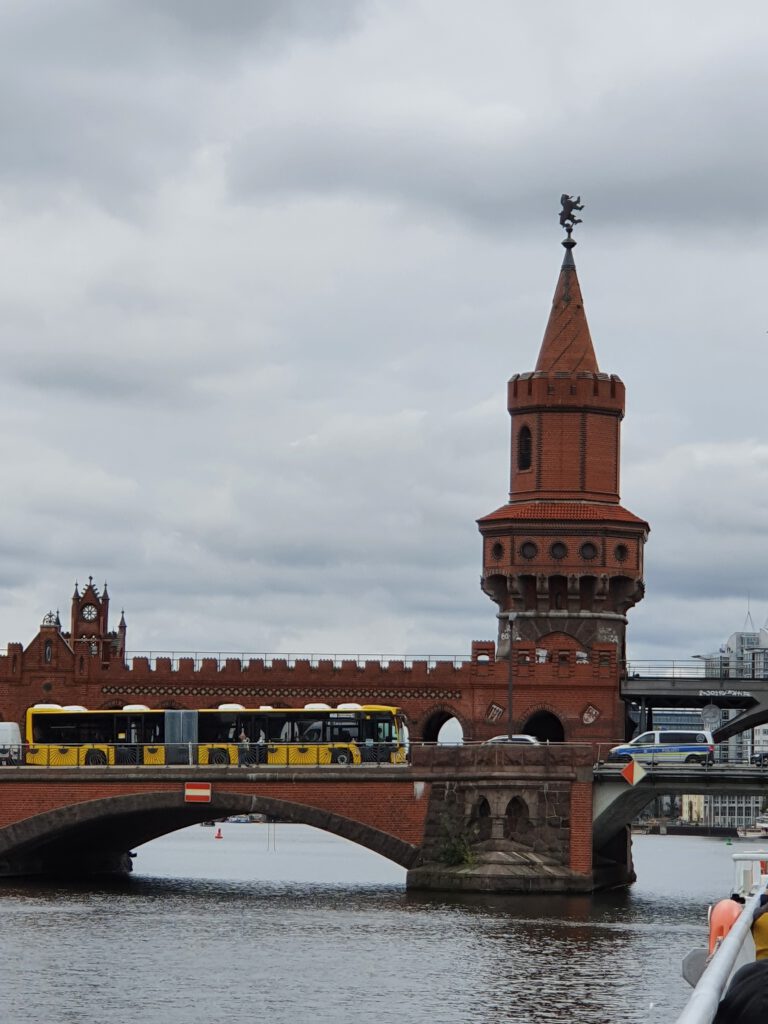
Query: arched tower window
(524, 448)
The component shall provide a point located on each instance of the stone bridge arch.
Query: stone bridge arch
(96, 836)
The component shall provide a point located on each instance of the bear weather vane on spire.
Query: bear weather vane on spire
(570, 204)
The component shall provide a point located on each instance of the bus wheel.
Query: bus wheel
(218, 757)
(342, 757)
(95, 757)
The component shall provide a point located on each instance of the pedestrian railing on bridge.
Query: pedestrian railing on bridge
(417, 754)
(424, 756)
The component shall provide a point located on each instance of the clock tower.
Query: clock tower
(563, 559)
(89, 634)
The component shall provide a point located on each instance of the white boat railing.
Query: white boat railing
(710, 988)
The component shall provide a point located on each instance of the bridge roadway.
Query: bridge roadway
(750, 696)
(615, 803)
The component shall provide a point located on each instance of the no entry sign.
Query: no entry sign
(197, 792)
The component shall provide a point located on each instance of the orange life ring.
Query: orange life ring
(721, 920)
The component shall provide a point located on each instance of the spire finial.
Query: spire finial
(568, 220)
(567, 345)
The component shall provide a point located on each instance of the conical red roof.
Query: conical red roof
(567, 345)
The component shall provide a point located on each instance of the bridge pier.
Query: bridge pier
(524, 827)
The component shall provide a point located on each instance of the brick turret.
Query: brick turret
(563, 560)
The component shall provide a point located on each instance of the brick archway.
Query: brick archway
(435, 718)
(543, 723)
(97, 835)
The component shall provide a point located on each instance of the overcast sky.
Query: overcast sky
(268, 264)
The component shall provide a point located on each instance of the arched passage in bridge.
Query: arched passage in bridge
(443, 725)
(544, 725)
(96, 836)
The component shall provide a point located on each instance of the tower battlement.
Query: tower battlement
(531, 392)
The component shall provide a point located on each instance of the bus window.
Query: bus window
(344, 729)
(312, 732)
(383, 730)
(288, 731)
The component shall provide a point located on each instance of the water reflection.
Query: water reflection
(235, 930)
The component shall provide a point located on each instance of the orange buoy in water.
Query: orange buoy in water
(721, 920)
(218, 833)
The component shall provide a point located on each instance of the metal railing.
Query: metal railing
(441, 756)
(604, 759)
(702, 1006)
(686, 668)
(268, 659)
(183, 754)
(275, 754)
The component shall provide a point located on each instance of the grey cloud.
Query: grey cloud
(269, 407)
(641, 161)
(107, 99)
(242, 22)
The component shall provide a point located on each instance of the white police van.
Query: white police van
(668, 746)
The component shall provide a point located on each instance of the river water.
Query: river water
(282, 923)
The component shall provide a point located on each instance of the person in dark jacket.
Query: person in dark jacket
(746, 1001)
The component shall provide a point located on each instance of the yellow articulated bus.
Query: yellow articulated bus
(228, 735)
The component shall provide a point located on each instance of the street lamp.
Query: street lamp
(510, 679)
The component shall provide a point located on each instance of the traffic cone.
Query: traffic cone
(218, 833)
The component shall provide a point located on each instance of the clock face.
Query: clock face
(89, 612)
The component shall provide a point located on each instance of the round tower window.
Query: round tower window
(588, 551)
(621, 552)
(497, 551)
(528, 549)
(558, 550)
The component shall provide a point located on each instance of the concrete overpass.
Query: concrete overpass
(615, 803)
(676, 684)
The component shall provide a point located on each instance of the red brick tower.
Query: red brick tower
(562, 559)
(90, 634)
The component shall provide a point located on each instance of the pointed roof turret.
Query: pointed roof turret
(567, 345)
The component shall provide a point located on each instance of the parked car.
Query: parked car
(761, 759)
(518, 737)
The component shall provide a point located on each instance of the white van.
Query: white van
(668, 746)
(10, 743)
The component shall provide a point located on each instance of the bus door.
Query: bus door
(129, 735)
(181, 737)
